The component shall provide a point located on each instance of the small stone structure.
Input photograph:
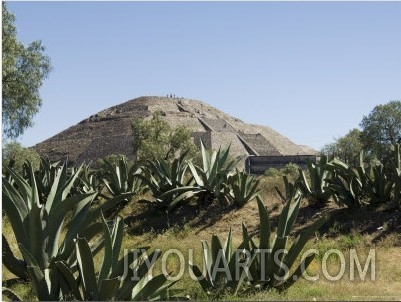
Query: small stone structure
(259, 164)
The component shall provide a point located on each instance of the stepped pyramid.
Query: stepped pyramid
(109, 131)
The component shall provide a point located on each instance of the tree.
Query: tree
(15, 155)
(349, 147)
(381, 129)
(346, 148)
(329, 150)
(24, 69)
(155, 138)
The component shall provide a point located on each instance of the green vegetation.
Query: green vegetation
(155, 138)
(396, 174)
(352, 186)
(292, 190)
(64, 239)
(23, 71)
(37, 209)
(164, 178)
(215, 180)
(370, 185)
(120, 179)
(56, 217)
(14, 155)
(54, 247)
(250, 267)
(290, 170)
(222, 264)
(212, 177)
(37, 219)
(110, 283)
(272, 258)
(346, 148)
(381, 129)
(244, 187)
(316, 190)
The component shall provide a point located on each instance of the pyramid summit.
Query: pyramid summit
(109, 131)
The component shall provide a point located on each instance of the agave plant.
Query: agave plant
(317, 190)
(120, 180)
(244, 187)
(397, 174)
(225, 270)
(88, 180)
(9, 295)
(397, 187)
(292, 190)
(212, 177)
(167, 180)
(261, 266)
(377, 184)
(355, 187)
(273, 260)
(38, 222)
(209, 181)
(127, 278)
(44, 177)
(346, 186)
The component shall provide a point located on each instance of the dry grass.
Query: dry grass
(386, 286)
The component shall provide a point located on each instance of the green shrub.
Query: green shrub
(14, 155)
(291, 170)
(272, 172)
(155, 138)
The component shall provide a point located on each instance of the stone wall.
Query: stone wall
(259, 164)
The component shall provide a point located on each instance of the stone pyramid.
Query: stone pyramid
(109, 131)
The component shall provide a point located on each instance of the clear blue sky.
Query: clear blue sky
(310, 70)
